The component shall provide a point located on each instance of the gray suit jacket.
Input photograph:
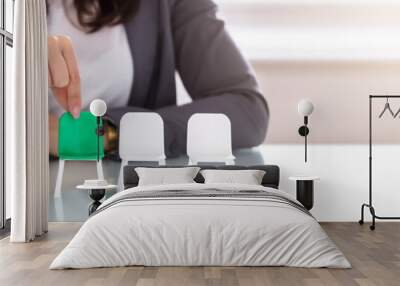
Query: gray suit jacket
(185, 36)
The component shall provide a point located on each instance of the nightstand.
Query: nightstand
(97, 190)
(305, 190)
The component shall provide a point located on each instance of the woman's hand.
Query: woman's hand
(64, 78)
(53, 134)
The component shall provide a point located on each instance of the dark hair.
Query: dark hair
(96, 14)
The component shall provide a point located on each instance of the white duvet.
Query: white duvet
(200, 231)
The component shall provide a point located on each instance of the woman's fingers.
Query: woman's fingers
(58, 71)
(60, 94)
(57, 66)
(64, 78)
(74, 86)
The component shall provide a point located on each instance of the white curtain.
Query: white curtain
(27, 124)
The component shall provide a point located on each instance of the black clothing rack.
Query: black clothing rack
(370, 205)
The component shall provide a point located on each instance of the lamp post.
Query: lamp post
(305, 108)
(98, 108)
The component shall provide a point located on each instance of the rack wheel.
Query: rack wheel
(372, 227)
(361, 222)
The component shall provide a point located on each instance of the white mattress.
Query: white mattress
(193, 231)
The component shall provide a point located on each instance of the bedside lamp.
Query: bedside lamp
(98, 108)
(305, 108)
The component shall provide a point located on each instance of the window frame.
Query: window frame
(6, 39)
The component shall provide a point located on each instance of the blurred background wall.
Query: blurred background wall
(335, 53)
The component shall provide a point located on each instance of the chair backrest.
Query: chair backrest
(209, 138)
(141, 137)
(77, 139)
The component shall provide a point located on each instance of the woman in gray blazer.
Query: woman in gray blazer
(163, 36)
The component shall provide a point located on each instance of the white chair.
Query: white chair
(209, 138)
(141, 138)
(60, 175)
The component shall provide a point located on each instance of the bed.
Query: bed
(201, 224)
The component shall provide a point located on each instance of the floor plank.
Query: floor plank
(375, 257)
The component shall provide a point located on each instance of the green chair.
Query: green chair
(77, 141)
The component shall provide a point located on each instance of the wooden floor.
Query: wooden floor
(375, 257)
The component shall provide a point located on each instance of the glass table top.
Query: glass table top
(73, 204)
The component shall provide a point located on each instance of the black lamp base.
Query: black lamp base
(96, 195)
(99, 132)
(305, 193)
(304, 131)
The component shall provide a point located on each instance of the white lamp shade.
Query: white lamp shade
(98, 107)
(305, 107)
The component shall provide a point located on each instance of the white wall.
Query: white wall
(314, 29)
(343, 170)
(335, 52)
(340, 93)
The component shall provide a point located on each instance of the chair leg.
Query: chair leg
(60, 174)
(100, 174)
(121, 176)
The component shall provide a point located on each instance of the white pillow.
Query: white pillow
(166, 176)
(247, 177)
